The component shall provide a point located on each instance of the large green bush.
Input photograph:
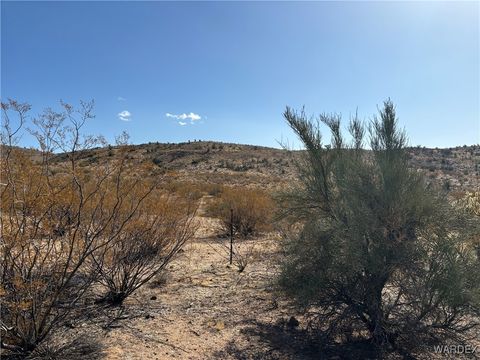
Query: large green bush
(379, 254)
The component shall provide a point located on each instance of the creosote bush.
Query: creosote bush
(252, 210)
(379, 254)
(54, 219)
(152, 237)
(192, 190)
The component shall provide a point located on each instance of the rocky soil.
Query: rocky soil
(205, 308)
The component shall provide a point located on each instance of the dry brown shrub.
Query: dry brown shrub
(53, 222)
(193, 190)
(182, 189)
(252, 211)
(150, 240)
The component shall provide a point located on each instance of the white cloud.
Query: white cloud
(191, 116)
(121, 98)
(125, 115)
(194, 117)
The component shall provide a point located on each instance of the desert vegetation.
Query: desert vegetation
(331, 251)
(243, 211)
(242, 214)
(147, 243)
(470, 202)
(379, 255)
(63, 231)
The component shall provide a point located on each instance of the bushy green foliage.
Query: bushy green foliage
(378, 251)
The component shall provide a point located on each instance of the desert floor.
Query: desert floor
(205, 309)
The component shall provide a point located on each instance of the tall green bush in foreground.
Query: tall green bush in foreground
(378, 254)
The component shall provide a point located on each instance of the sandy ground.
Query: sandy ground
(205, 309)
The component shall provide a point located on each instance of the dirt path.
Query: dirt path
(206, 309)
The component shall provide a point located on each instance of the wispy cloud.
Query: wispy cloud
(191, 116)
(125, 115)
(121, 98)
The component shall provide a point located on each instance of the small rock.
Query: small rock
(153, 297)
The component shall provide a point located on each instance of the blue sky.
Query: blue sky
(226, 70)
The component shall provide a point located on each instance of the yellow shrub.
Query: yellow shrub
(247, 211)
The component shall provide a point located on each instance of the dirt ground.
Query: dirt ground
(205, 309)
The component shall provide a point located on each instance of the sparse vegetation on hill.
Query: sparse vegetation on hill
(221, 163)
(209, 162)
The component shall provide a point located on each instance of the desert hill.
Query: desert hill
(213, 162)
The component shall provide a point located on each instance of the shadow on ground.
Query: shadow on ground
(81, 347)
(277, 341)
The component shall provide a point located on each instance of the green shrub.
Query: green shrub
(379, 253)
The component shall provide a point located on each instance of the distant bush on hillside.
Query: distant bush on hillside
(184, 190)
(213, 189)
(252, 210)
(192, 190)
(157, 161)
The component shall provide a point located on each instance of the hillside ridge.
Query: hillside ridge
(244, 164)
